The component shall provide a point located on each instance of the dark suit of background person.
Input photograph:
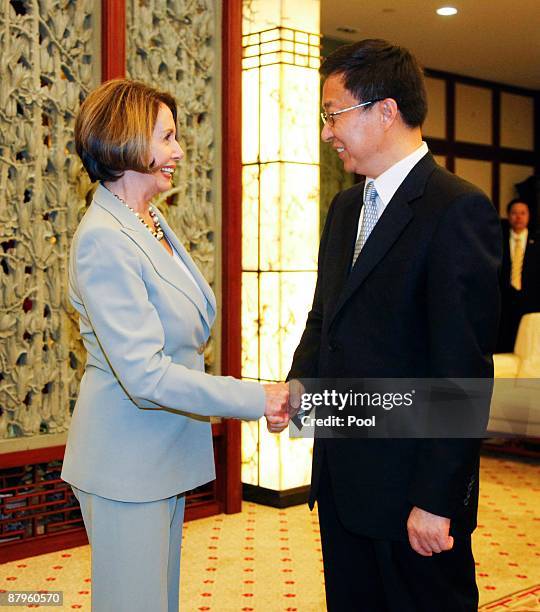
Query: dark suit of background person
(422, 300)
(518, 296)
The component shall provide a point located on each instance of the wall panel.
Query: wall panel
(475, 171)
(175, 47)
(517, 121)
(435, 123)
(48, 51)
(473, 119)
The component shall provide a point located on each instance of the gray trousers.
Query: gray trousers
(135, 552)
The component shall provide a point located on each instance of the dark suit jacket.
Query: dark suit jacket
(421, 301)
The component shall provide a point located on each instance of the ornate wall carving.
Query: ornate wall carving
(47, 66)
(46, 50)
(171, 45)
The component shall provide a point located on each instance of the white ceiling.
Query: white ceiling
(497, 40)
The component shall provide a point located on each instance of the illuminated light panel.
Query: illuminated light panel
(280, 208)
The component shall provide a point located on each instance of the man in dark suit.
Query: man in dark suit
(520, 274)
(407, 287)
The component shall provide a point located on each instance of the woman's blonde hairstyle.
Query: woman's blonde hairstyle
(114, 128)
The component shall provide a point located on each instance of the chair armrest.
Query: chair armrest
(506, 365)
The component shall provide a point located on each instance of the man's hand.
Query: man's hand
(428, 533)
(276, 409)
(296, 390)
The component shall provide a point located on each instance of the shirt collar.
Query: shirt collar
(519, 237)
(389, 181)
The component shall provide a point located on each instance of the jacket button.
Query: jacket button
(333, 346)
(201, 348)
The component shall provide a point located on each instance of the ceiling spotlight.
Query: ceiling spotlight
(446, 10)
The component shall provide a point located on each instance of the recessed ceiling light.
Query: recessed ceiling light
(446, 10)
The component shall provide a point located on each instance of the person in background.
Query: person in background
(140, 435)
(520, 274)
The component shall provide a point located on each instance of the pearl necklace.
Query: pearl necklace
(157, 232)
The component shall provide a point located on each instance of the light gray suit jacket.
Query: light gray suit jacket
(140, 429)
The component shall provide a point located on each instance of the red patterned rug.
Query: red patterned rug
(527, 600)
(268, 560)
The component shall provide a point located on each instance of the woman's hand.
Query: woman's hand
(276, 409)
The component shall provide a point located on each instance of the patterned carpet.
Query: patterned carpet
(527, 600)
(270, 560)
(507, 541)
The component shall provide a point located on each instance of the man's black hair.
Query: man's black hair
(374, 69)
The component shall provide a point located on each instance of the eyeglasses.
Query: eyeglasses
(330, 117)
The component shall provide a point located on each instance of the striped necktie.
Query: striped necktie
(369, 219)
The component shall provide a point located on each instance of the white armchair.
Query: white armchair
(524, 362)
(515, 409)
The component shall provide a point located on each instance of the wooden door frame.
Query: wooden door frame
(231, 234)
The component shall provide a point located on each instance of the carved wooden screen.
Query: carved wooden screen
(172, 46)
(47, 66)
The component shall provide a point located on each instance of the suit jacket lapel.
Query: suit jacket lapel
(347, 229)
(396, 216)
(163, 263)
(182, 252)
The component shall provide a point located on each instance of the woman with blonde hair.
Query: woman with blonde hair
(140, 435)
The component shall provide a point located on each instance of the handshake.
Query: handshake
(282, 402)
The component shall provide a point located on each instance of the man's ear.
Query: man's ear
(389, 112)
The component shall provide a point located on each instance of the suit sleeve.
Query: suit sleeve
(306, 357)
(108, 280)
(463, 305)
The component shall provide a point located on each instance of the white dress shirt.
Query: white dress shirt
(181, 263)
(389, 181)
